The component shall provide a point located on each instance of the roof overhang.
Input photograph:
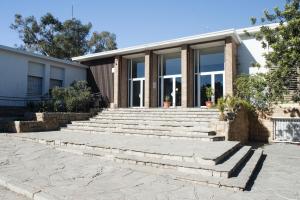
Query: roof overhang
(207, 37)
(42, 57)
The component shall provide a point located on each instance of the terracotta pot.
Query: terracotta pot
(167, 104)
(208, 104)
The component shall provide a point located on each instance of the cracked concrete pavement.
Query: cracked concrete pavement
(63, 175)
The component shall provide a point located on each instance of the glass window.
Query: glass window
(171, 64)
(138, 68)
(211, 60)
(34, 86)
(55, 83)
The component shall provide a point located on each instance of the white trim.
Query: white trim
(48, 58)
(164, 44)
(208, 45)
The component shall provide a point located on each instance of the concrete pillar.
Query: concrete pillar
(190, 78)
(117, 67)
(184, 76)
(148, 79)
(154, 81)
(230, 54)
(46, 84)
(124, 84)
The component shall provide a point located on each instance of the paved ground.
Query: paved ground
(154, 145)
(7, 194)
(63, 175)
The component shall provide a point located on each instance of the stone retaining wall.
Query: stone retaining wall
(47, 121)
(237, 129)
(261, 129)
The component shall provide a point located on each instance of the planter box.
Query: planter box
(47, 121)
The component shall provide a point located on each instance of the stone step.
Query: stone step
(162, 135)
(221, 170)
(142, 127)
(144, 122)
(164, 115)
(204, 153)
(182, 110)
(154, 119)
(239, 182)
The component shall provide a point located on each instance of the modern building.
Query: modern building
(182, 69)
(26, 76)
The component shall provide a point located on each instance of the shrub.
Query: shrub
(75, 98)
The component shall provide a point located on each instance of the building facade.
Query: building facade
(26, 76)
(180, 70)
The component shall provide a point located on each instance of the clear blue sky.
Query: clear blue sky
(140, 21)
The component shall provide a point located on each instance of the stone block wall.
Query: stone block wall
(236, 129)
(47, 121)
(261, 129)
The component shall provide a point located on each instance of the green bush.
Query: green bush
(75, 98)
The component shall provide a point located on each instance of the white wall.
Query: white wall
(14, 71)
(250, 51)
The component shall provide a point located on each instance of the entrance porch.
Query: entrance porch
(181, 74)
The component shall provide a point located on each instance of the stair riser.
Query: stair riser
(136, 131)
(155, 119)
(169, 115)
(108, 151)
(151, 110)
(135, 123)
(187, 137)
(156, 123)
(144, 128)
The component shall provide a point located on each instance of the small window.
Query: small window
(34, 86)
(171, 64)
(211, 59)
(55, 83)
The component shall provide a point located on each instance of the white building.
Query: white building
(25, 75)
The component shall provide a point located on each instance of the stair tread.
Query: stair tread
(209, 152)
(198, 135)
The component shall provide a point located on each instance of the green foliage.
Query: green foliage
(221, 104)
(167, 98)
(284, 40)
(64, 40)
(231, 104)
(296, 97)
(254, 89)
(75, 98)
(209, 92)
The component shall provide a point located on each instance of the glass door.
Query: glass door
(137, 95)
(136, 82)
(170, 78)
(214, 81)
(209, 73)
(172, 88)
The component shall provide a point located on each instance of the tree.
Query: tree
(283, 59)
(64, 40)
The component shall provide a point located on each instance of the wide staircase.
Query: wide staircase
(180, 143)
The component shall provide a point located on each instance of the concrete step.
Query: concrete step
(198, 152)
(239, 182)
(162, 135)
(195, 110)
(221, 170)
(144, 122)
(142, 127)
(161, 115)
(153, 119)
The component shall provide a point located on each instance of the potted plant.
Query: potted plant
(209, 92)
(221, 107)
(167, 101)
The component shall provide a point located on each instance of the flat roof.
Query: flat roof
(164, 44)
(26, 53)
(206, 37)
